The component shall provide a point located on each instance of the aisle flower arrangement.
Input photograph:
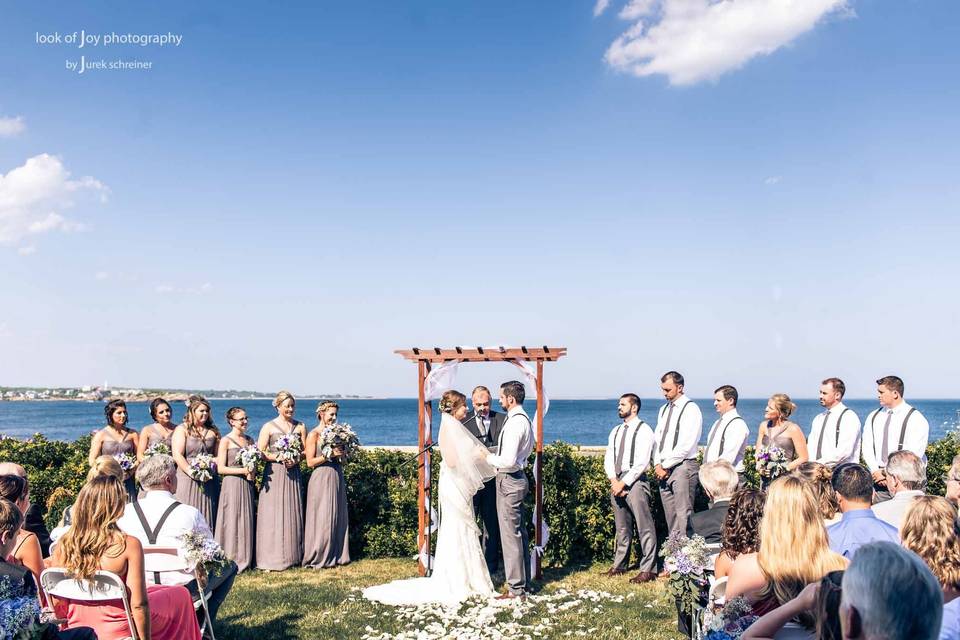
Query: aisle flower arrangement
(686, 561)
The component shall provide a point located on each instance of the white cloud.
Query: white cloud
(694, 40)
(10, 127)
(600, 7)
(773, 180)
(32, 196)
(27, 251)
(204, 288)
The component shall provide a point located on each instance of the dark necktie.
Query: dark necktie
(823, 430)
(885, 451)
(666, 428)
(618, 465)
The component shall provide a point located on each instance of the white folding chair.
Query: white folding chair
(718, 591)
(104, 586)
(158, 559)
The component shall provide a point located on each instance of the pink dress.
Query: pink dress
(171, 615)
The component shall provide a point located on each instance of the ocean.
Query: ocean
(393, 422)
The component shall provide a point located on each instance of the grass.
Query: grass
(572, 603)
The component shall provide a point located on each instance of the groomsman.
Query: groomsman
(834, 433)
(894, 426)
(727, 439)
(486, 424)
(626, 462)
(514, 445)
(679, 423)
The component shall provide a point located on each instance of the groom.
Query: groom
(486, 426)
(513, 448)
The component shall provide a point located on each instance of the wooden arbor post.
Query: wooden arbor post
(424, 358)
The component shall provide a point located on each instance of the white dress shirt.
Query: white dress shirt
(181, 520)
(636, 438)
(515, 442)
(727, 440)
(836, 447)
(894, 510)
(664, 453)
(914, 439)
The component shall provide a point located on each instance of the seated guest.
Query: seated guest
(21, 580)
(33, 518)
(818, 476)
(906, 476)
(95, 542)
(741, 529)
(794, 551)
(905, 604)
(929, 530)
(952, 481)
(102, 466)
(719, 479)
(859, 525)
(821, 599)
(158, 519)
(26, 550)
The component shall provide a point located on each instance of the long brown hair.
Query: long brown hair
(94, 531)
(189, 420)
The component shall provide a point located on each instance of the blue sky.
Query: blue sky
(296, 190)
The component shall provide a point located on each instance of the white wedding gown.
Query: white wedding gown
(459, 569)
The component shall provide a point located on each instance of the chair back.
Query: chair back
(718, 590)
(104, 586)
(160, 559)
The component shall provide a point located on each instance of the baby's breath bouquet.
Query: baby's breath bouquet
(338, 436)
(156, 449)
(203, 551)
(686, 561)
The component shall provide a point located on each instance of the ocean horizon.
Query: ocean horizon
(393, 421)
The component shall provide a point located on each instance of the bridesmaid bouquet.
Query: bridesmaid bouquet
(203, 467)
(204, 552)
(289, 447)
(772, 462)
(338, 436)
(159, 448)
(249, 457)
(126, 461)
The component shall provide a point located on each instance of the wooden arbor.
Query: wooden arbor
(427, 357)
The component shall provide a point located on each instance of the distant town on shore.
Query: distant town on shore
(100, 393)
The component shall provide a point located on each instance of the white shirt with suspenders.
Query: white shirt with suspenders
(905, 427)
(678, 433)
(628, 451)
(835, 436)
(727, 440)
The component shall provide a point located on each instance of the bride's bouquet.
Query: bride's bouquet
(203, 467)
(289, 448)
(771, 462)
(338, 436)
(249, 457)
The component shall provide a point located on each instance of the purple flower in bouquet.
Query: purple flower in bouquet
(249, 456)
(772, 462)
(203, 467)
(338, 436)
(686, 559)
(289, 448)
(126, 461)
(203, 551)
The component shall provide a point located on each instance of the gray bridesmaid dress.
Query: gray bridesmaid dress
(154, 438)
(279, 513)
(782, 441)
(189, 490)
(326, 541)
(235, 514)
(111, 447)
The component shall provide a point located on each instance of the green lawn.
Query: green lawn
(327, 604)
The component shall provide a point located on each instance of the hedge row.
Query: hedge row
(382, 494)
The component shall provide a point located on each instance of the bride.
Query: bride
(459, 569)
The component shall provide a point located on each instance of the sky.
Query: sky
(755, 192)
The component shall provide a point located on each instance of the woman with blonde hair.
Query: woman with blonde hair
(777, 430)
(197, 435)
(794, 550)
(280, 510)
(95, 543)
(115, 439)
(818, 477)
(929, 530)
(326, 537)
(102, 466)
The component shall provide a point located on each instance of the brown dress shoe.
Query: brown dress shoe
(614, 572)
(509, 596)
(643, 576)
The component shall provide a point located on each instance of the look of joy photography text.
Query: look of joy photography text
(86, 40)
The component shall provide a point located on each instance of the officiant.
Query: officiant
(485, 424)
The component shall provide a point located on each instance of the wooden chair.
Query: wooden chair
(158, 560)
(104, 586)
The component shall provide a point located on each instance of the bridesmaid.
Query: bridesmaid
(280, 510)
(114, 439)
(326, 536)
(236, 510)
(197, 434)
(776, 430)
(160, 431)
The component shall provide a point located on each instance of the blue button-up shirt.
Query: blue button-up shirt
(950, 629)
(857, 528)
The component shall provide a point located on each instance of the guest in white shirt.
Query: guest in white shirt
(727, 439)
(679, 423)
(625, 462)
(893, 427)
(158, 519)
(513, 448)
(906, 476)
(834, 433)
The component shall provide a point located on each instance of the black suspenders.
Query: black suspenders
(152, 533)
(903, 429)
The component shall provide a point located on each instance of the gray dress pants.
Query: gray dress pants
(632, 510)
(512, 488)
(677, 493)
